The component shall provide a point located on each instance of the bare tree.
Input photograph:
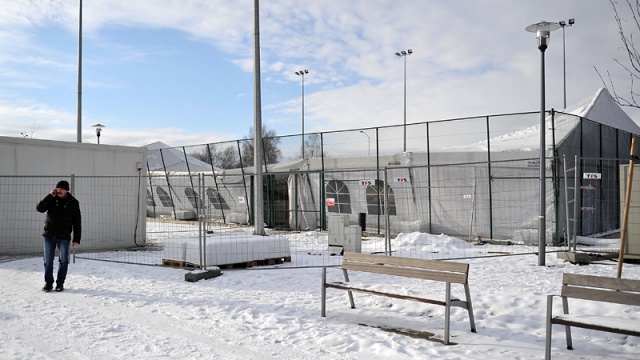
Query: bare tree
(270, 142)
(632, 63)
(201, 155)
(33, 130)
(313, 146)
(227, 158)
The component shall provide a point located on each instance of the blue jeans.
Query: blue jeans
(63, 258)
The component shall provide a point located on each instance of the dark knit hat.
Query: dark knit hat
(63, 185)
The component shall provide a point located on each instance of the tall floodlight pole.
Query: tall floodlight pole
(564, 63)
(302, 73)
(258, 216)
(79, 115)
(404, 54)
(543, 31)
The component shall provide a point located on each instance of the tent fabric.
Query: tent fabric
(599, 107)
(603, 109)
(453, 190)
(173, 159)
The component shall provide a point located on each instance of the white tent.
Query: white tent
(163, 157)
(473, 199)
(487, 188)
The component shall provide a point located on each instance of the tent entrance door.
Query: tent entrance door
(276, 197)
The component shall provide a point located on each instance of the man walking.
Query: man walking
(63, 218)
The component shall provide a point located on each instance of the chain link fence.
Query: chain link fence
(464, 188)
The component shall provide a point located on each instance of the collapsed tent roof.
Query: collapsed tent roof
(172, 159)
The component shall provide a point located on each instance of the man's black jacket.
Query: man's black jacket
(63, 217)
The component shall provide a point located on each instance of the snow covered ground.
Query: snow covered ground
(114, 311)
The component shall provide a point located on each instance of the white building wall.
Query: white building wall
(104, 178)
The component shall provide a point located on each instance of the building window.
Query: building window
(150, 201)
(339, 192)
(374, 194)
(216, 199)
(164, 197)
(192, 195)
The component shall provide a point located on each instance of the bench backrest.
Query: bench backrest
(435, 270)
(599, 288)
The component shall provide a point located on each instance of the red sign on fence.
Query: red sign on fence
(594, 176)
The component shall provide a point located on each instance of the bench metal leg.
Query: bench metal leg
(567, 329)
(447, 313)
(346, 279)
(470, 308)
(547, 346)
(323, 292)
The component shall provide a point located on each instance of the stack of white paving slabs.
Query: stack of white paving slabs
(225, 250)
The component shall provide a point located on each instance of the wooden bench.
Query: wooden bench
(434, 270)
(593, 288)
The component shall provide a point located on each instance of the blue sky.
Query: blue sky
(181, 72)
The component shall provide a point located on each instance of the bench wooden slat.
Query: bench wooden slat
(601, 282)
(594, 288)
(439, 271)
(409, 262)
(407, 272)
(609, 296)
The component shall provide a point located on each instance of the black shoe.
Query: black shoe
(59, 288)
(47, 287)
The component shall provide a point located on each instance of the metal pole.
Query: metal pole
(200, 223)
(405, 104)
(302, 115)
(564, 70)
(368, 140)
(258, 222)
(79, 115)
(541, 216)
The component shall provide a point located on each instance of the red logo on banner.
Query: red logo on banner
(331, 202)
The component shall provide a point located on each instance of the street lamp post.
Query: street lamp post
(404, 54)
(99, 128)
(543, 31)
(302, 73)
(564, 63)
(79, 110)
(368, 140)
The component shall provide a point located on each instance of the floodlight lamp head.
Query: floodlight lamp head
(398, 54)
(572, 21)
(562, 23)
(410, 51)
(404, 52)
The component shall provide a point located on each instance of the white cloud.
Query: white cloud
(469, 59)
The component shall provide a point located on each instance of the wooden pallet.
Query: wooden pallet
(242, 265)
(253, 263)
(179, 264)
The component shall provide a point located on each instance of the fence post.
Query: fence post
(73, 191)
(387, 220)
